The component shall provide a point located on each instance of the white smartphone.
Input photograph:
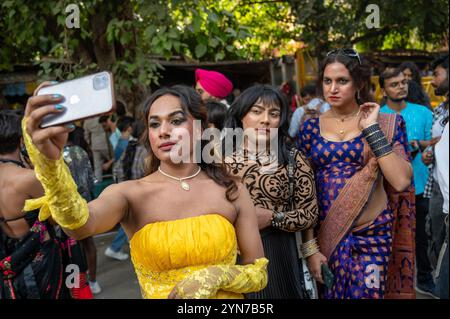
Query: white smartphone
(85, 97)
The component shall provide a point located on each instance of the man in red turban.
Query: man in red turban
(212, 85)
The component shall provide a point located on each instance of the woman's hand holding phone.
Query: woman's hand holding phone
(49, 141)
(315, 263)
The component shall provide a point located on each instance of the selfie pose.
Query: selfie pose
(363, 175)
(185, 221)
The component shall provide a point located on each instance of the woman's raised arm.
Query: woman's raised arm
(61, 201)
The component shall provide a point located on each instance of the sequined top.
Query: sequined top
(164, 253)
(336, 162)
(80, 167)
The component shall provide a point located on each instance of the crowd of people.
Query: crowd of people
(327, 194)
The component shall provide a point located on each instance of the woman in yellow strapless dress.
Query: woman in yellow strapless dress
(185, 220)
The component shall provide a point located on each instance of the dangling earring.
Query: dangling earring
(358, 96)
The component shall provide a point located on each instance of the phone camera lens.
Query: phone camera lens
(100, 82)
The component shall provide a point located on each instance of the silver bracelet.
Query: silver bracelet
(277, 219)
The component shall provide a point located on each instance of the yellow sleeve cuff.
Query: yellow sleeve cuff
(206, 282)
(62, 200)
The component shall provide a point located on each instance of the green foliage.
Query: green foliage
(126, 36)
(403, 24)
(39, 35)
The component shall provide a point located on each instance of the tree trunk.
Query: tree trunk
(134, 97)
(83, 53)
(105, 54)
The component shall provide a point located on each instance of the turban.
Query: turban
(215, 83)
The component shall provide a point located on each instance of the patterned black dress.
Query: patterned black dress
(268, 185)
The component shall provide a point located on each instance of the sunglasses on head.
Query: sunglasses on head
(352, 53)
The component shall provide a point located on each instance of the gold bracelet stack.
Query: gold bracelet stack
(309, 248)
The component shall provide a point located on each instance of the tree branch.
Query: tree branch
(105, 53)
(374, 33)
(83, 52)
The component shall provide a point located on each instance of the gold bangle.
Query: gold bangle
(309, 248)
(309, 243)
(310, 252)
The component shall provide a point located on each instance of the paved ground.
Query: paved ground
(118, 279)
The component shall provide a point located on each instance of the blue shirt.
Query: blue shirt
(114, 138)
(120, 148)
(418, 119)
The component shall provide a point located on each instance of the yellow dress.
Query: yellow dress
(197, 254)
(164, 253)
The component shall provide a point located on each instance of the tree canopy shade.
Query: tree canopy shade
(126, 36)
(417, 24)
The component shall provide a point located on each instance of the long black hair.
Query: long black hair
(192, 104)
(416, 94)
(10, 131)
(217, 112)
(268, 95)
(416, 77)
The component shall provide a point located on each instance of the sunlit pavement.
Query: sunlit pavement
(116, 278)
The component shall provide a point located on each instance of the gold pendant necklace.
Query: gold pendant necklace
(184, 185)
(342, 119)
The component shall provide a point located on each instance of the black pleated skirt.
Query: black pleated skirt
(284, 269)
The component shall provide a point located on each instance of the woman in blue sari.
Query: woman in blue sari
(363, 175)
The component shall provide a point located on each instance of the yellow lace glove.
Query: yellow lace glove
(206, 282)
(61, 200)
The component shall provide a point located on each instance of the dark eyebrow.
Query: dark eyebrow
(258, 106)
(340, 78)
(170, 115)
(272, 107)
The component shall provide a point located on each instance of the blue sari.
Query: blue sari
(374, 260)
